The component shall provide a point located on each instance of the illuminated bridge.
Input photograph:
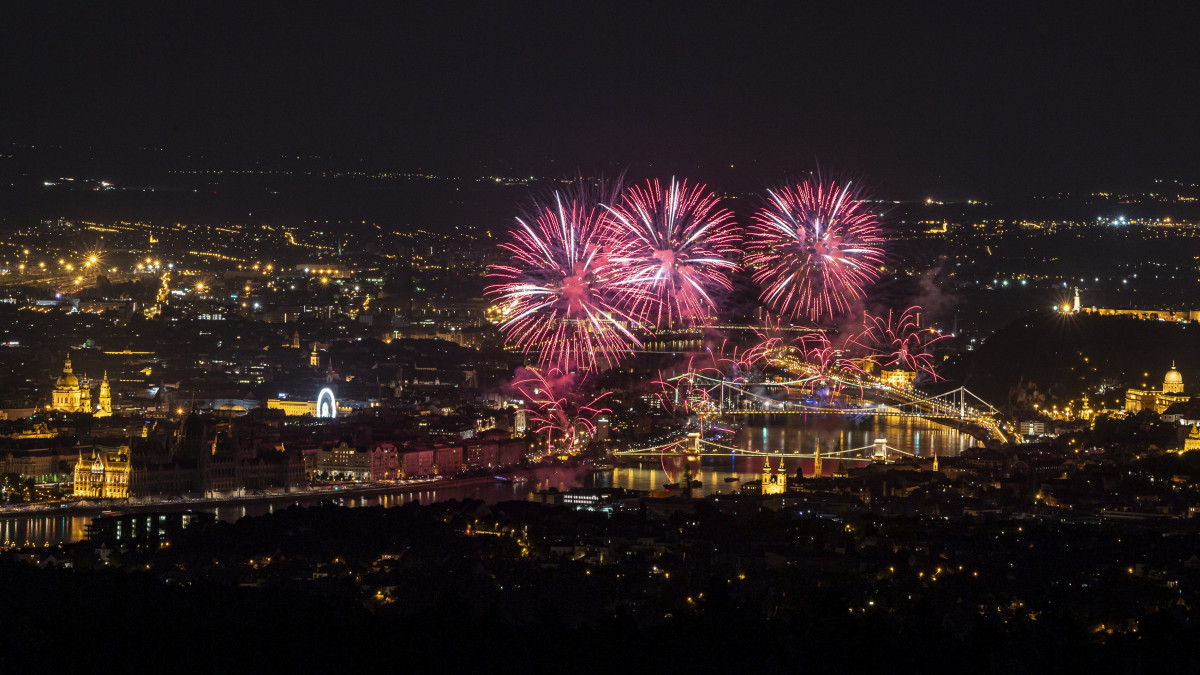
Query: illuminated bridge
(694, 446)
(857, 395)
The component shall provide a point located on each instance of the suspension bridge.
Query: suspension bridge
(851, 394)
(694, 446)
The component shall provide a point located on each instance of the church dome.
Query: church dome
(68, 379)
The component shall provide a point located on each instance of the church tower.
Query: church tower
(314, 359)
(773, 483)
(817, 462)
(104, 405)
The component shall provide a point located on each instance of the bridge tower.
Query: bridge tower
(880, 454)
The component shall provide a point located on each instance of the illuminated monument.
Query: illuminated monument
(70, 394)
(773, 483)
(102, 474)
(1137, 400)
(104, 403)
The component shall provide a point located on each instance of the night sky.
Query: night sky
(959, 99)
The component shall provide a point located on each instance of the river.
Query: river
(51, 528)
(799, 434)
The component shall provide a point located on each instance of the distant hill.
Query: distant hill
(1060, 357)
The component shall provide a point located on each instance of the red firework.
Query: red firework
(899, 341)
(556, 408)
(671, 251)
(814, 247)
(555, 295)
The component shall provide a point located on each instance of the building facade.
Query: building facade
(1137, 400)
(102, 474)
(70, 394)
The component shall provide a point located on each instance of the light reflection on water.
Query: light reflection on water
(44, 529)
(797, 435)
(52, 530)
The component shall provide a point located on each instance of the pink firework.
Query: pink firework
(833, 364)
(555, 294)
(671, 252)
(557, 409)
(814, 247)
(900, 342)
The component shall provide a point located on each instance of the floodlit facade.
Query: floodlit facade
(1137, 400)
(103, 474)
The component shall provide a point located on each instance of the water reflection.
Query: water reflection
(799, 434)
(53, 530)
(43, 530)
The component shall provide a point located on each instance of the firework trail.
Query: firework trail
(556, 294)
(556, 408)
(835, 365)
(814, 247)
(899, 341)
(671, 251)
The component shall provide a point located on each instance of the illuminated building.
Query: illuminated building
(326, 406)
(1085, 411)
(344, 462)
(71, 395)
(1137, 400)
(1179, 315)
(898, 378)
(773, 483)
(1192, 442)
(104, 474)
(104, 404)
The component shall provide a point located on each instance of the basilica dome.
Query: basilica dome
(68, 379)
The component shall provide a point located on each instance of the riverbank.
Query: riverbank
(88, 508)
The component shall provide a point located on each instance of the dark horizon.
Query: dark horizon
(995, 102)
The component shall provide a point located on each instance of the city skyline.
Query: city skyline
(578, 336)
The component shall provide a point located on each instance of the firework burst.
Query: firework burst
(898, 341)
(814, 247)
(556, 291)
(557, 409)
(827, 364)
(671, 251)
